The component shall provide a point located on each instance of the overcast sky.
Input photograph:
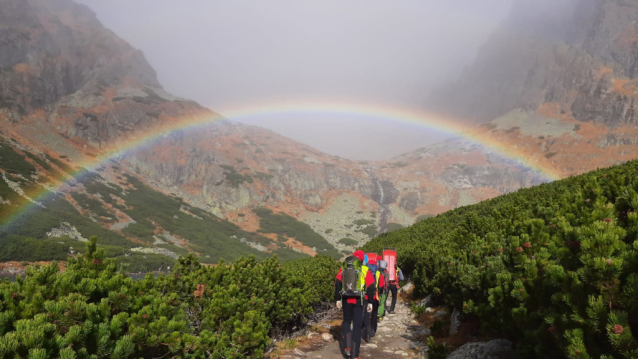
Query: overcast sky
(240, 54)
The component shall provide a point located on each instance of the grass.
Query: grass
(371, 231)
(394, 226)
(140, 231)
(37, 221)
(63, 166)
(208, 236)
(363, 222)
(18, 248)
(13, 162)
(286, 225)
(92, 205)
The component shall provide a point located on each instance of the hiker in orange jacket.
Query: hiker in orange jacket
(353, 307)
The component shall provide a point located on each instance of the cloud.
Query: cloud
(233, 54)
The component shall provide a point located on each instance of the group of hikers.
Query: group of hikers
(362, 287)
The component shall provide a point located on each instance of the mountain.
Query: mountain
(85, 121)
(572, 62)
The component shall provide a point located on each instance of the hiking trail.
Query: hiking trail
(399, 335)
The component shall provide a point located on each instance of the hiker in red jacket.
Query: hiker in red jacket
(349, 295)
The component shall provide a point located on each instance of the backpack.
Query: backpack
(386, 280)
(352, 278)
(383, 265)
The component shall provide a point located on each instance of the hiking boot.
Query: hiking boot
(348, 352)
(367, 339)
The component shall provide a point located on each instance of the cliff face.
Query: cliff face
(60, 67)
(579, 55)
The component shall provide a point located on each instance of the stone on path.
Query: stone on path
(299, 353)
(327, 337)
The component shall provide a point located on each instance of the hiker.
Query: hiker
(394, 287)
(353, 282)
(370, 318)
(383, 287)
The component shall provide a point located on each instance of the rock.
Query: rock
(495, 349)
(311, 334)
(299, 353)
(407, 288)
(455, 322)
(426, 302)
(327, 337)
(67, 230)
(162, 251)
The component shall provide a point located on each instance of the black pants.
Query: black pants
(370, 319)
(375, 316)
(393, 290)
(351, 326)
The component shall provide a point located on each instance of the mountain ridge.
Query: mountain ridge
(108, 96)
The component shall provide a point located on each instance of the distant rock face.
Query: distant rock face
(580, 55)
(495, 349)
(60, 65)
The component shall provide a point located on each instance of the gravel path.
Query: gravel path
(398, 336)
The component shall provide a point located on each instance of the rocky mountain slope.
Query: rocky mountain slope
(579, 56)
(72, 94)
(557, 79)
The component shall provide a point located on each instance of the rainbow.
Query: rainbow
(439, 123)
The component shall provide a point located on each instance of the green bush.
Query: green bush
(348, 241)
(553, 268)
(417, 309)
(143, 231)
(436, 351)
(91, 204)
(92, 311)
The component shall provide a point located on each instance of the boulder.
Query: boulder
(495, 349)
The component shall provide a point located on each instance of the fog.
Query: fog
(239, 55)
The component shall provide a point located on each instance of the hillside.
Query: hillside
(76, 98)
(552, 267)
(75, 93)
